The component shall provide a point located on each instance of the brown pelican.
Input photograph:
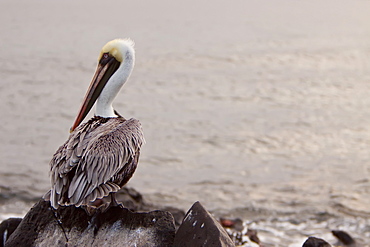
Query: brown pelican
(101, 155)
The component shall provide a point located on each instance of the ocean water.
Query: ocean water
(257, 109)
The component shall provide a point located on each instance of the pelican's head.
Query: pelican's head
(113, 54)
(117, 48)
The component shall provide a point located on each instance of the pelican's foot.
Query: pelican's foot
(115, 203)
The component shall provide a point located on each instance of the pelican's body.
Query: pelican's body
(101, 155)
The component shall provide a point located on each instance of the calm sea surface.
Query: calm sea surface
(258, 109)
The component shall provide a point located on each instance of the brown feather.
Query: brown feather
(99, 157)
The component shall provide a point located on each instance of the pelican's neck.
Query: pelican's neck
(104, 106)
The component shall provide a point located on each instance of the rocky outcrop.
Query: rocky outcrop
(135, 225)
(344, 238)
(200, 228)
(71, 226)
(117, 226)
(315, 242)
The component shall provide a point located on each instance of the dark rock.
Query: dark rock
(71, 226)
(344, 237)
(252, 234)
(200, 228)
(315, 242)
(7, 227)
(177, 214)
(134, 201)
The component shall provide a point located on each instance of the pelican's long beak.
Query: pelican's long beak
(106, 68)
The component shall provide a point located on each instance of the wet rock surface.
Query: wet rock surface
(71, 226)
(200, 228)
(118, 226)
(315, 242)
(42, 222)
(344, 238)
(134, 201)
(138, 223)
(7, 227)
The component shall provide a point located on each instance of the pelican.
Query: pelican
(101, 155)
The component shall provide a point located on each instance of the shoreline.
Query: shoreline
(291, 229)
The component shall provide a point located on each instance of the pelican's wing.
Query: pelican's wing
(84, 168)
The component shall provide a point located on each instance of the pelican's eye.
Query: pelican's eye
(105, 58)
